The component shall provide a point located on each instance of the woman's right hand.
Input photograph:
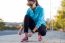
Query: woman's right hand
(30, 34)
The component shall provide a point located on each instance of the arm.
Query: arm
(40, 18)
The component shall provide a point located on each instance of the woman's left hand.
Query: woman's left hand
(34, 30)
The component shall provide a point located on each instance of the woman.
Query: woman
(34, 20)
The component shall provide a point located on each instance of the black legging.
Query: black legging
(30, 24)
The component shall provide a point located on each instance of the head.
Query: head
(32, 2)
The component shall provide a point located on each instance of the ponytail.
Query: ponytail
(36, 3)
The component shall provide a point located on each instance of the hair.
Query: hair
(34, 1)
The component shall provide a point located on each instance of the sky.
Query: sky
(15, 10)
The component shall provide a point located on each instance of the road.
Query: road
(10, 36)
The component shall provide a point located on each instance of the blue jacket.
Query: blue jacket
(37, 15)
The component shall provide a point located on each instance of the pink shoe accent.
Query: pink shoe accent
(25, 38)
(39, 37)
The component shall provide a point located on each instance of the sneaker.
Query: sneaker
(39, 37)
(25, 38)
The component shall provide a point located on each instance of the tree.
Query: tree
(60, 18)
(2, 24)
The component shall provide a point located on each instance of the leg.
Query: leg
(31, 26)
(41, 32)
(26, 25)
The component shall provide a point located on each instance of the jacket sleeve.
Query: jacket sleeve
(40, 18)
(27, 12)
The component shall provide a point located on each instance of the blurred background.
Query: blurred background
(12, 13)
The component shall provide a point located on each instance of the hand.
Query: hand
(34, 30)
(30, 34)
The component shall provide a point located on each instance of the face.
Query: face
(30, 3)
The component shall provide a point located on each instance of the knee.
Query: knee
(43, 33)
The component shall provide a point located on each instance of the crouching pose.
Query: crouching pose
(34, 20)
